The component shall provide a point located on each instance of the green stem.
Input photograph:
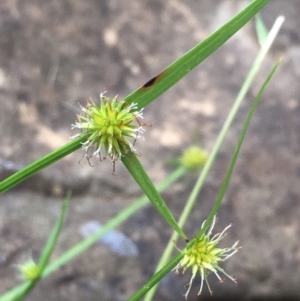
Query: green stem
(235, 155)
(38, 165)
(158, 276)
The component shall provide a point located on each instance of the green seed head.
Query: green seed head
(109, 126)
(203, 257)
(194, 158)
(28, 270)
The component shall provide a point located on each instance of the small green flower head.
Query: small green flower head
(194, 158)
(28, 270)
(203, 257)
(109, 126)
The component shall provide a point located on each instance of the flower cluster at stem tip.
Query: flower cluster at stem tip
(109, 126)
(203, 257)
(28, 270)
(194, 158)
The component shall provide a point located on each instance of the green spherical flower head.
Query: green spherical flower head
(203, 257)
(29, 270)
(109, 126)
(194, 158)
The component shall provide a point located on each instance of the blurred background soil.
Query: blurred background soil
(56, 53)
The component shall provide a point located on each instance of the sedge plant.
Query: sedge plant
(114, 126)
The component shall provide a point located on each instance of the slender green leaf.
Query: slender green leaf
(261, 30)
(38, 165)
(139, 174)
(155, 278)
(236, 152)
(52, 240)
(17, 291)
(178, 69)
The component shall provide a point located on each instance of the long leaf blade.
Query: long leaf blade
(38, 165)
(236, 152)
(178, 69)
(52, 240)
(140, 176)
(261, 30)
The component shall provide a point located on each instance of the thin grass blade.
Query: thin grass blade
(155, 278)
(261, 30)
(52, 240)
(40, 164)
(236, 152)
(140, 176)
(178, 69)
